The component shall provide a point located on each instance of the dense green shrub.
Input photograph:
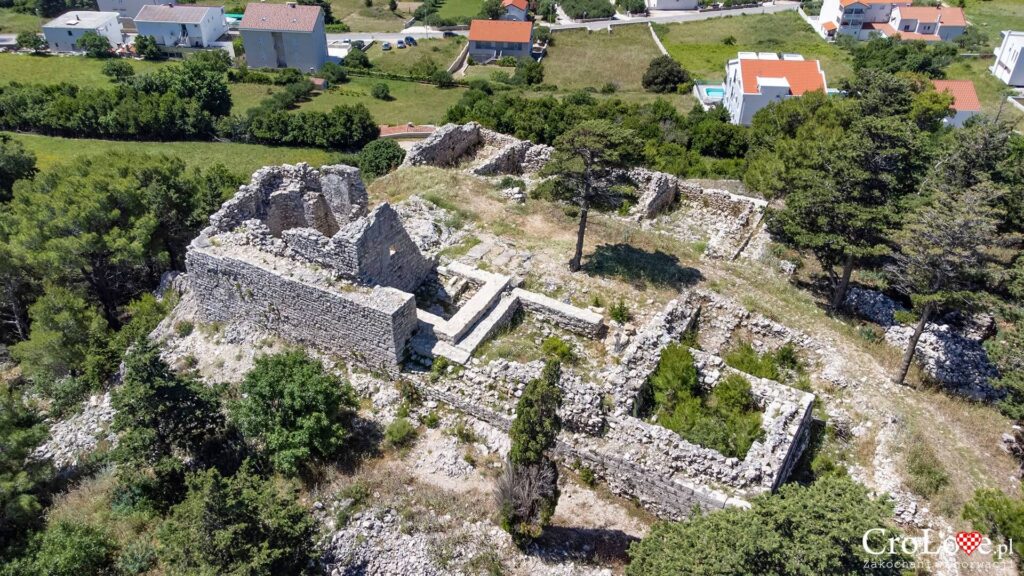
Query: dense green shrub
(527, 491)
(118, 70)
(796, 532)
(69, 549)
(998, 516)
(380, 157)
(314, 422)
(664, 74)
(381, 91)
(16, 163)
(619, 312)
(777, 365)
(580, 9)
(400, 432)
(94, 45)
(558, 349)
(21, 430)
(725, 419)
(147, 48)
(237, 525)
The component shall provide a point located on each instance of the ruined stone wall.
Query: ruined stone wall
(448, 145)
(370, 327)
(384, 253)
(573, 319)
(490, 153)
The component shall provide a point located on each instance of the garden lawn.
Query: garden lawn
(411, 101)
(458, 9)
(401, 61)
(578, 59)
(78, 70)
(993, 16)
(702, 49)
(239, 158)
(12, 22)
(246, 96)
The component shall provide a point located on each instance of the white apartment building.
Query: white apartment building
(672, 4)
(182, 25)
(62, 33)
(863, 19)
(756, 79)
(1009, 64)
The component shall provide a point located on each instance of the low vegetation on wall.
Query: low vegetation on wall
(724, 418)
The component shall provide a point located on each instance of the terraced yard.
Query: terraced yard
(618, 57)
(704, 47)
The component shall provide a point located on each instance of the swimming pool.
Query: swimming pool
(715, 92)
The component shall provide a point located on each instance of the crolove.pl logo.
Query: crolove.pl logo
(883, 546)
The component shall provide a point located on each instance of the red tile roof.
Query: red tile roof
(500, 31)
(964, 97)
(888, 31)
(521, 4)
(178, 13)
(802, 75)
(944, 15)
(289, 17)
(829, 25)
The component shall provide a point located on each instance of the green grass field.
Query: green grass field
(401, 61)
(240, 158)
(702, 49)
(578, 59)
(12, 22)
(77, 70)
(994, 16)
(411, 101)
(991, 91)
(245, 96)
(460, 8)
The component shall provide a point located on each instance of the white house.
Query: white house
(1009, 65)
(756, 79)
(926, 23)
(128, 9)
(62, 33)
(672, 4)
(856, 17)
(515, 10)
(284, 36)
(493, 39)
(182, 25)
(965, 100)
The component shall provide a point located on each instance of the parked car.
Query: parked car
(409, 40)
(449, 34)
(385, 46)
(400, 44)
(358, 44)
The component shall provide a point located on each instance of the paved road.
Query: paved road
(665, 17)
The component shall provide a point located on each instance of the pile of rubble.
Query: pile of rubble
(80, 434)
(950, 350)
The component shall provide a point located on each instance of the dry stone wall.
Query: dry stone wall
(296, 253)
(487, 152)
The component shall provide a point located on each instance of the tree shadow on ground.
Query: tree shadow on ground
(640, 267)
(589, 545)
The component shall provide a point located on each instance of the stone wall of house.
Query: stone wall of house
(573, 319)
(369, 326)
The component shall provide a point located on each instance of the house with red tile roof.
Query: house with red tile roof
(965, 100)
(756, 79)
(286, 35)
(927, 23)
(864, 19)
(493, 39)
(515, 10)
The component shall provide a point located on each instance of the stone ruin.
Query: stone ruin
(665, 473)
(298, 253)
(951, 349)
(484, 151)
(729, 223)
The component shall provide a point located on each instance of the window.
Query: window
(69, 33)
